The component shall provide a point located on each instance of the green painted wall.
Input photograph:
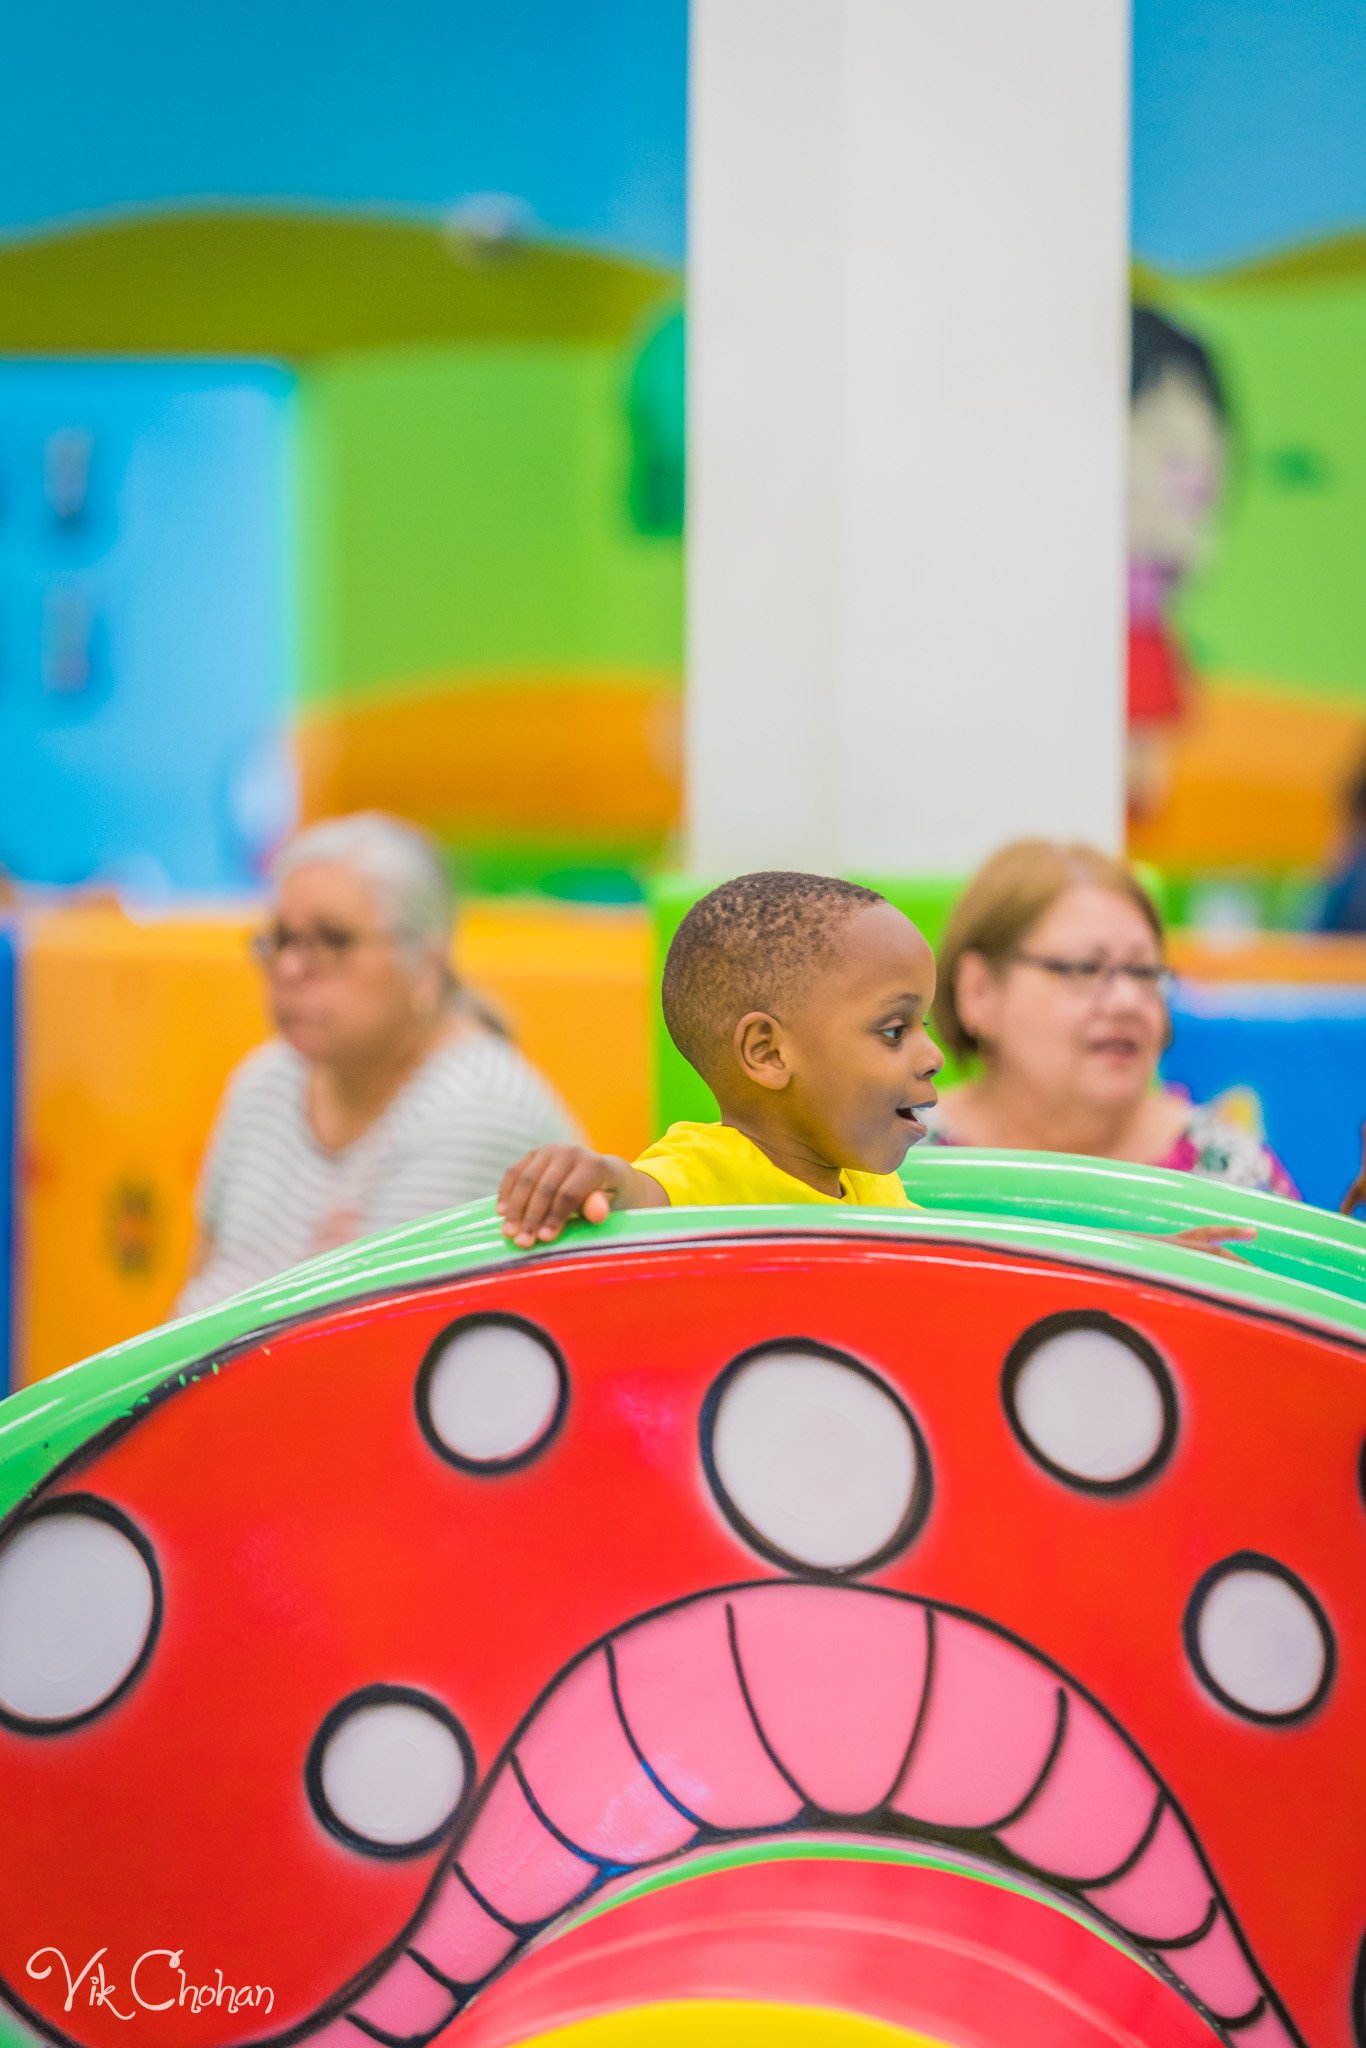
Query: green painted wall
(467, 508)
(298, 285)
(1284, 599)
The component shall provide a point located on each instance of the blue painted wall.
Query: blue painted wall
(1249, 126)
(576, 110)
(8, 1072)
(146, 568)
(1303, 1053)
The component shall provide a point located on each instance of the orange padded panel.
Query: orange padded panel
(128, 1031)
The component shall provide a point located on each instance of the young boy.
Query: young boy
(801, 1001)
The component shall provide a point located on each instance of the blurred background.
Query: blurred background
(342, 466)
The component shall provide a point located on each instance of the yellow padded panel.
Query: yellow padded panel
(730, 2023)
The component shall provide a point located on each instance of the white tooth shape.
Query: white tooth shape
(392, 1771)
(1092, 1403)
(1258, 1639)
(77, 1607)
(491, 1391)
(814, 1459)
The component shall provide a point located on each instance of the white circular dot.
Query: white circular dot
(392, 1772)
(492, 1392)
(1261, 1642)
(1090, 1405)
(815, 1457)
(77, 1604)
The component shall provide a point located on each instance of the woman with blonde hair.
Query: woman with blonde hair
(1052, 974)
(390, 1092)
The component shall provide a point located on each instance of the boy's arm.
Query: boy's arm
(538, 1195)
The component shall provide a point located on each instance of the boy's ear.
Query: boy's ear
(758, 1045)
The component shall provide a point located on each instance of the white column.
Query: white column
(907, 390)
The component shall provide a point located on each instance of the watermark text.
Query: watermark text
(156, 1983)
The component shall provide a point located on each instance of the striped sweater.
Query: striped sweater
(270, 1196)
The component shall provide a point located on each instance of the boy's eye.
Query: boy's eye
(893, 1033)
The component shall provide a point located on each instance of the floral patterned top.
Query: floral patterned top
(1214, 1142)
(1216, 1145)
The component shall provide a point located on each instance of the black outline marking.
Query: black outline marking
(614, 1684)
(926, 1689)
(387, 2040)
(594, 1862)
(1139, 1347)
(1044, 1773)
(1242, 2019)
(1361, 1472)
(364, 1697)
(460, 1992)
(812, 1813)
(769, 1751)
(489, 1468)
(1358, 2011)
(372, 2032)
(1139, 1850)
(460, 1995)
(97, 1509)
(522, 1930)
(1257, 1561)
(1205, 1925)
(922, 1486)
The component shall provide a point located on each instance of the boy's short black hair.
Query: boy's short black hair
(748, 945)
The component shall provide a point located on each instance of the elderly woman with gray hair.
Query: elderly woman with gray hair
(390, 1092)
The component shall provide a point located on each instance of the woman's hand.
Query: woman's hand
(540, 1193)
(1215, 1238)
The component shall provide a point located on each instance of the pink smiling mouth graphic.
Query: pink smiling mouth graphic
(783, 1705)
(393, 1696)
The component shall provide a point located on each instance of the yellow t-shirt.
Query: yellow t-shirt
(700, 1164)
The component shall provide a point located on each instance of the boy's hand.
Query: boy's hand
(537, 1196)
(1216, 1238)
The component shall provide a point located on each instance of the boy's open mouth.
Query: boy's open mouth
(908, 1116)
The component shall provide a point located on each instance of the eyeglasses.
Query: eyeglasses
(1089, 977)
(320, 946)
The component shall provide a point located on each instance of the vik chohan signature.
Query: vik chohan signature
(156, 1983)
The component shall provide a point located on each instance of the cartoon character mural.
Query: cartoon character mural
(1178, 421)
(934, 1628)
